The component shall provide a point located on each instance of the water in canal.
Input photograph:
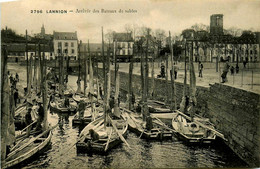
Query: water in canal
(143, 154)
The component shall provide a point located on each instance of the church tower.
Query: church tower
(42, 30)
(216, 24)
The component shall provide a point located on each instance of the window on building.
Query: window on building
(72, 51)
(72, 44)
(65, 37)
(255, 51)
(123, 52)
(65, 50)
(51, 54)
(59, 44)
(217, 21)
(251, 52)
(66, 44)
(123, 45)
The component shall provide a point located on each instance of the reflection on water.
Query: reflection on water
(143, 154)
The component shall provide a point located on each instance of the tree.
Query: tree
(200, 27)
(8, 35)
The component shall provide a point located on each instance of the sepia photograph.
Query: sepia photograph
(130, 84)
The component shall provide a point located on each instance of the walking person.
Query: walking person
(200, 69)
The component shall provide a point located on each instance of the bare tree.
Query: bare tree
(200, 27)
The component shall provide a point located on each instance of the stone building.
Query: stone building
(123, 43)
(215, 45)
(66, 43)
(95, 50)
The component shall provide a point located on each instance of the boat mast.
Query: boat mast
(44, 87)
(78, 83)
(26, 53)
(192, 82)
(5, 105)
(173, 89)
(35, 69)
(91, 90)
(130, 87)
(116, 101)
(85, 70)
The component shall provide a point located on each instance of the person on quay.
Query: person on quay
(232, 70)
(28, 121)
(100, 91)
(224, 73)
(237, 68)
(162, 70)
(200, 69)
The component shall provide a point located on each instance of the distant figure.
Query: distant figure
(94, 135)
(81, 109)
(162, 70)
(175, 67)
(28, 121)
(17, 77)
(232, 69)
(200, 69)
(16, 97)
(40, 117)
(11, 79)
(237, 68)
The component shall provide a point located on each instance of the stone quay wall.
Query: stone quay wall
(235, 112)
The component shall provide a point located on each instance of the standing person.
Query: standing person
(175, 67)
(40, 117)
(224, 73)
(81, 109)
(28, 121)
(237, 68)
(200, 69)
(11, 79)
(162, 70)
(17, 77)
(16, 97)
(100, 91)
(232, 70)
(244, 63)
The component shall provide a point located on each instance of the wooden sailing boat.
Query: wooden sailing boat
(105, 133)
(27, 147)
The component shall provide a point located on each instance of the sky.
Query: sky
(169, 15)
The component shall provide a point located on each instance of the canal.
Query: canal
(143, 154)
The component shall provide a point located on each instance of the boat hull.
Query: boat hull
(28, 155)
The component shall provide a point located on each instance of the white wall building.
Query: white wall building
(66, 43)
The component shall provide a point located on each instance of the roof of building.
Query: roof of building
(65, 35)
(123, 37)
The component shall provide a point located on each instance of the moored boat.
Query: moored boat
(192, 131)
(109, 136)
(27, 148)
(138, 126)
(58, 106)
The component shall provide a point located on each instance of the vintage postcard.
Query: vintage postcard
(130, 84)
